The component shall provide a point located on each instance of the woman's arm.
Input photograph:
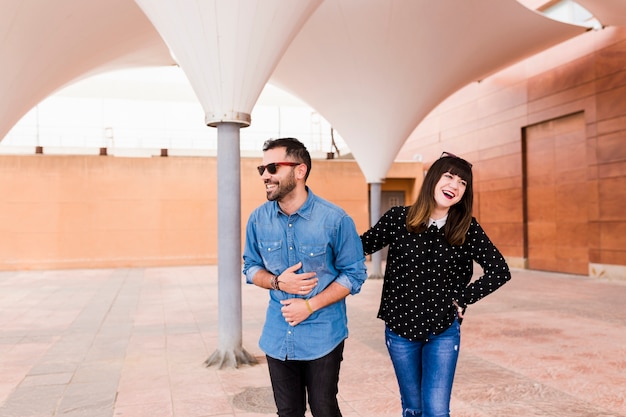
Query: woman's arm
(379, 235)
(496, 271)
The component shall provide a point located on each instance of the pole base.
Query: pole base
(230, 359)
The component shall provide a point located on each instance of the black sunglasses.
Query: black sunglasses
(273, 167)
(451, 155)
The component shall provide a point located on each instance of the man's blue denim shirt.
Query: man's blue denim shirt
(324, 238)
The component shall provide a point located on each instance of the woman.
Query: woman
(432, 246)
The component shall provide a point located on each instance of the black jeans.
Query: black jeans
(292, 380)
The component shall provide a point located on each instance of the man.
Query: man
(307, 252)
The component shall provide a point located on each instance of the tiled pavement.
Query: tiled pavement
(132, 342)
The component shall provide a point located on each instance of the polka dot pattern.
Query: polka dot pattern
(424, 274)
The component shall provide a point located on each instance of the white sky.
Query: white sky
(154, 108)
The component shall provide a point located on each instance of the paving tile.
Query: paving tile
(132, 342)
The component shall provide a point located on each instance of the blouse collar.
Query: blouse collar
(440, 222)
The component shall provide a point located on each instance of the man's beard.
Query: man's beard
(283, 188)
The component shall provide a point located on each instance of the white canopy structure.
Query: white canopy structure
(373, 68)
(46, 45)
(608, 12)
(385, 65)
(228, 49)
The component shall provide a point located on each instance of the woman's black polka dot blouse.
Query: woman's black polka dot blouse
(424, 274)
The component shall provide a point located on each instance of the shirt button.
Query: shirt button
(290, 224)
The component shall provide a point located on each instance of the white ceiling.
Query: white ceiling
(372, 68)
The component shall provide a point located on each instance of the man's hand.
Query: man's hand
(295, 311)
(294, 283)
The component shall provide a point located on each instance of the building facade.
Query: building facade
(547, 138)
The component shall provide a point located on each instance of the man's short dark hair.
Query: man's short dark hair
(294, 149)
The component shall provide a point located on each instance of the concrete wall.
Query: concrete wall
(102, 211)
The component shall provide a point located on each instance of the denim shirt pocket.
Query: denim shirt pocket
(270, 252)
(313, 257)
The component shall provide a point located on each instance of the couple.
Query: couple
(307, 252)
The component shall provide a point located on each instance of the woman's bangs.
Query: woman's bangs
(461, 169)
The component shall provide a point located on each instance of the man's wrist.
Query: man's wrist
(274, 283)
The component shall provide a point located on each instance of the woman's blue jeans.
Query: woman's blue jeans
(425, 371)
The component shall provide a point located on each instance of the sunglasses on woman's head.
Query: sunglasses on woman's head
(451, 155)
(273, 167)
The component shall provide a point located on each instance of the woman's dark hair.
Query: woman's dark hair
(294, 149)
(459, 215)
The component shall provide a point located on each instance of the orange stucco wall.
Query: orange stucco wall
(103, 211)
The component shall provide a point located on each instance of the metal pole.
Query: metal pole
(230, 352)
(375, 204)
